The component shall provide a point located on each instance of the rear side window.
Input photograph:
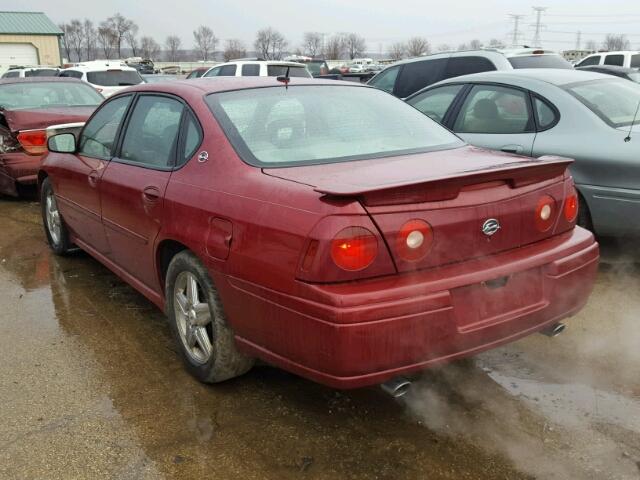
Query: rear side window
(99, 134)
(617, 60)
(540, 61)
(386, 80)
(251, 70)
(227, 71)
(635, 61)
(192, 138)
(436, 102)
(546, 115)
(152, 132)
(417, 75)
(595, 60)
(277, 70)
(494, 109)
(458, 66)
(70, 74)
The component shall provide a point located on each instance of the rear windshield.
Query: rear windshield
(272, 127)
(277, 70)
(539, 61)
(114, 78)
(45, 72)
(15, 96)
(615, 101)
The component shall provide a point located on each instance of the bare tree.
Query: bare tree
(444, 47)
(475, 44)
(131, 37)
(591, 45)
(173, 44)
(106, 39)
(312, 44)
(463, 46)
(270, 44)
(89, 33)
(417, 46)
(205, 41)
(149, 48)
(76, 38)
(355, 44)
(397, 51)
(66, 39)
(120, 27)
(234, 48)
(335, 47)
(614, 42)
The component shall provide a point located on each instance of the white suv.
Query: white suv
(105, 76)
(26, 72)
(257, 68)
(628, 59)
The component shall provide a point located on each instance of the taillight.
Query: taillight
(34, 142)
(571, 206)
(545, 213)
(354, 248)
(414, 240)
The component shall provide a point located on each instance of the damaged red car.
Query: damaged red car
(323, 227)
(27, 107)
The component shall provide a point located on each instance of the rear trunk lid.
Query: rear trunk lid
(460, 193)
(41, 118)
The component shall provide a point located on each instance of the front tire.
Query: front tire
(54, 227)
(198, 322)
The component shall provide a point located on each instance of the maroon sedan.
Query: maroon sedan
(27, 107)
(323, 227)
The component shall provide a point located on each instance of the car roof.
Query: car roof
(554, 76)
(490, 53)
(4, 81)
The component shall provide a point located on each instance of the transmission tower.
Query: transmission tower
(578, 40)
(538, 25)
(515, 34)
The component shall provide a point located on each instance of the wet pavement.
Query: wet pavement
(91, 387)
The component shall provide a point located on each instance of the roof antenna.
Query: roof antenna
(285, 78)
(635, 117)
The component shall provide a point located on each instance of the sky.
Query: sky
(380, 22)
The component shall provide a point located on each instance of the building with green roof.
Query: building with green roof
(28, 39)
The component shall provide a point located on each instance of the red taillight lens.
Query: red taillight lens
(571, 206)
(545, 213)
(414, 240)
(354, 248)
(34, 142)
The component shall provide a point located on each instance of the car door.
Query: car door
(77, 181)
(134, 183)
(497, 117)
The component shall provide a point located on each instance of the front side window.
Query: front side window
(214, 72)
(114, 78)
(42, 95)
(152, 132)
(494, 109)
(14, 74)
(435, 103)
(274, 127)
(617, 60)
(227, 71)
(614, 101)
(386, 79)
(99, 135)
(587, 62)
(251, 70)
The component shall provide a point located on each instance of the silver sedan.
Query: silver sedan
(583, 115)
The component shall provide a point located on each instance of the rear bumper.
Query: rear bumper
(362, 333)
(18, 168)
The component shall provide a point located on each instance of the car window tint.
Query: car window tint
(277, 70)
(546, 115)
(417, 75)
(227, 71)
(386, 80)
(251, 70)
(152, 131)
(436, 102)
(617, 60)
(193, 138)
(635, 61)
(493, 109)
(458, 66)
(99, 134)
(595, 60)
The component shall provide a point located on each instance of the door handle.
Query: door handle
(151, 195)
(94, 178)
(512, 149)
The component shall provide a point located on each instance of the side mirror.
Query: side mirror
(62, 143)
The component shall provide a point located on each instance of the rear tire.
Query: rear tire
(198, 322)
(584, 216)
(54, 227)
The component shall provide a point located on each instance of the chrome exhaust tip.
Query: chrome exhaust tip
(396, 387)
(554, 330)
